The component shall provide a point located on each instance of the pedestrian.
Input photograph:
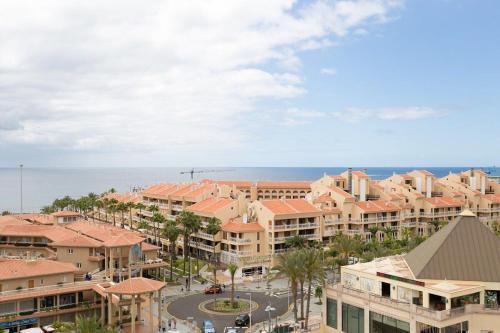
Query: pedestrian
(169, 324)
(175, 324)
(182, 289)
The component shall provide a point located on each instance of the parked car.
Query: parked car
(231, 329)
(213, 289)
(208, 326)
(242, 320)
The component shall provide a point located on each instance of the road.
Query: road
(188, 307)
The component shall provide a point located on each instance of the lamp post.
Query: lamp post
(268, 309)
(21, 173)
(250, 314)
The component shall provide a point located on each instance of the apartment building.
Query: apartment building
(450, 283)
(268, 189)
(285, 218)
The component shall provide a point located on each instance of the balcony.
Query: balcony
(284, 238)
(203, 246)
(240, 253)
(204, 235)
(308, 225)
(409, 224)
(440, 214)
(379, 219)
(239, 240)
(488, 210)
(177, 207)
(330, 232)
(285, 226)
(333, 221)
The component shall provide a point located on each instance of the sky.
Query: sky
(249, 83)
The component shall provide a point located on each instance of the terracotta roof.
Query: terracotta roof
(377, 206)
(77, 241)
(360, 174)
(210, 205)
(290, 206)
(200, 190)
(237, 183)
(284, 184)
(135, 286)
(64, 213)
(51, 232)
(495, 198)
(242, 227)
(323, 198)
(103, 232)
(443, 202)
(463, 250)
(123, 240)
(37, 218)
(340, 191)
(331, 210)
(124, 197)
(12, 220)
(15, 269)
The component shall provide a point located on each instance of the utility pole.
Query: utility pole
(21, 172)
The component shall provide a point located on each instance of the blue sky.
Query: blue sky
(328, 83)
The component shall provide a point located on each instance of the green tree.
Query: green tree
(373, 231)
(314, 272)
(295, 242)
(121, 207)
(93, 200)
(232, 268)
(171, 232)
(345, 247)
(318, 292)
(213, 228)
(188, 222)
(83, 324)
(113, 208)
(289, 265)
(130, 205)
(140, 206)
(46, 210)
(158, 220)
(154, 209)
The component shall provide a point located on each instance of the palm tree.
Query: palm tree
(188, 221)
(373, 231)
(345, 247)
(157, 220)
(130, 205)
(45, 210)
(112, 206)
(301, 278)
(140, 206)
(93, 198)
(232, 268)
(171, 232)
(313, 268)
(290, 266)
(295, 242)
(213, 228)
(195, 227)
(122, 208)
(154, 209)
(438, 224)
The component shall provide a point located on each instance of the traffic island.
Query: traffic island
(224, 307)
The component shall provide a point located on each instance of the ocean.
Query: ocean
(42, 185)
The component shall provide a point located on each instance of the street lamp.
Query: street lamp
(250, 314)
(268, 309)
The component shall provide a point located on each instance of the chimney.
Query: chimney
(349, 180)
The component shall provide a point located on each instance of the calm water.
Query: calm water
(42, 185)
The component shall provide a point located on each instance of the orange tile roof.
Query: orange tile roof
(12, 220)
(323, 198)
(360, 174)
(136, 286)
(443, 202)
(332, 210)
(290, 206)
(123, 240)
(52, 232)
(495, 198)
(77, 241)
(237, 183)
(110, 236)
(377, 206)
(37, 218)
(15, 269)
(340, 191)
(210, 205)
(199, 191)
(242, 227)
(124, 197)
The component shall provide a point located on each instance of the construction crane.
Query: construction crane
(193, 171)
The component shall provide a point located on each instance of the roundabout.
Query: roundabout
(197, 306)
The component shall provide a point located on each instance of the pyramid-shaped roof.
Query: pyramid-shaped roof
(464, 250)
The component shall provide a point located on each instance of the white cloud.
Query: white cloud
(123, 76)
(328, 71)
(396, 113)
(295, 116)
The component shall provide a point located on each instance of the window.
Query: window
(41, 281)
(331, 312)
(78, 265)
(258, 236)
(70, 251)
(352, 319)
(385, 324)
(258, 247)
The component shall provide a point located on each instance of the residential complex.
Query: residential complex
(448, 284)
(258, 217)
(53, 267)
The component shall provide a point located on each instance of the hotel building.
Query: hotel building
(448, 284)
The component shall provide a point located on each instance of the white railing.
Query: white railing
(377, 219)
(202, 246)
(204, 235)
(55, 286)
(285, 226)
(240, 253)
(308, 225)
(177, 207)
(333, 221)
(239, 240)
(488, 210)
(441, 214)
(410, 224)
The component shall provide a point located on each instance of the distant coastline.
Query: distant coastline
(42, 185)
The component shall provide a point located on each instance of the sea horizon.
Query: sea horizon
(41, 185)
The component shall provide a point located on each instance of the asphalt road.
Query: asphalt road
(188, 307)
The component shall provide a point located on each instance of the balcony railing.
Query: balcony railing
(203, 246)
(59, 286)
(240, 253)
(239, 240)
(204, 235)
(488, 210)
(177, 207)
(376, 219)
(440, 214)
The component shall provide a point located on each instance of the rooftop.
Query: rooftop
(375, 206)
(136, 286)
(210, 205)
(15, 269)
(242, 227)
(290, 206)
